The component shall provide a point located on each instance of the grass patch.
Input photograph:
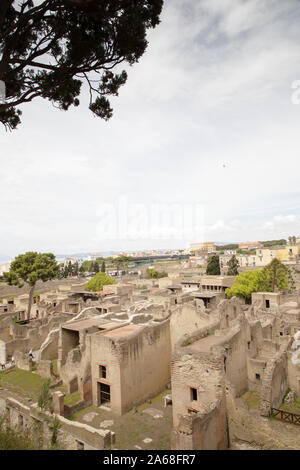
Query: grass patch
(133, 427)
(22, 381)
(72, 398)
(78, 415)
(252, 398)
(54, 363)
(292, 407)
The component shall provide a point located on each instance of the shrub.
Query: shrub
(97, 282)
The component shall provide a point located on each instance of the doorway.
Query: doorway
(103, 394)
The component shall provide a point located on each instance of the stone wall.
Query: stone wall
(275, 382)
(246, 426)
(71, 435)
(45, 369)
(185, 320)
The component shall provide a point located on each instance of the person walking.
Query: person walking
(12, 360)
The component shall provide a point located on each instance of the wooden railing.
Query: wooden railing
(286, 416)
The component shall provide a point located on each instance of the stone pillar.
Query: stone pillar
(58, 403)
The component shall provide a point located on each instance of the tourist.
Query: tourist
(3, 365)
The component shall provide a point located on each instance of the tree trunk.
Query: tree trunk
(30, 301)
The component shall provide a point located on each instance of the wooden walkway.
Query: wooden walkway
(286, 416)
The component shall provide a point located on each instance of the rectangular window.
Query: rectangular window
(267, 304)
(257, 376)
(194, 394)
(102, 372)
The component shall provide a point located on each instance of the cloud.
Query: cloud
(205, 118)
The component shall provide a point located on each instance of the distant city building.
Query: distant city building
(4, 267)
(197, 249)
(250, 245)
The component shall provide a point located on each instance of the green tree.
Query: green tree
(75, 269)
(246, 283)
(81, 270)
(55, 426)
(60, 271)
(277, 277)
(50, 47)
(154, 274)
(213, 265)
(96, 267)
(45, 397)
(103, 267)
(96, 284)
(273, 277)
(69, 269)
(30, 268)
(233, 266)
(86, 266)
(292, 240)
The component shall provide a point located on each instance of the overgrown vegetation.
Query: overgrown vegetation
(45, 397)
(273, 277)
(252, 398)
(233, 267)
(55, 426)
(230, 246)
(29, 268)
(96, 284)
(213, 266)
(270, 243)
(154, 274)
(15, 439)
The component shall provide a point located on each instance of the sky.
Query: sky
(203, 144)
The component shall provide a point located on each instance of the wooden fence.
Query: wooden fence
(286, 416)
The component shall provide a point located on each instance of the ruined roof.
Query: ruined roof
(121, 332)
(205, 344)
(85, 292)
(88, 323)
(206, 295)
(293, 311)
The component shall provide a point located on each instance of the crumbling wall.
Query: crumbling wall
(274, 383)
(235, 356)
(45, 369)
(185, 320)
(23, 361)
(248, 427)
(71, 434)
(206, 431)
(49, 348)
(201, 423)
